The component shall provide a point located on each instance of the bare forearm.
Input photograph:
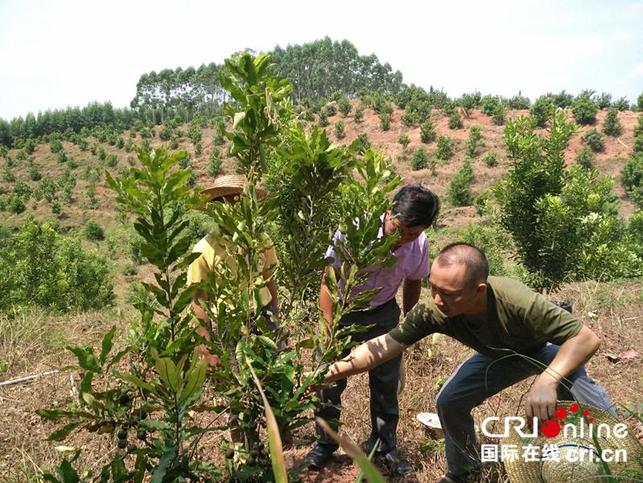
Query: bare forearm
(365, 357)
(572, 354)
(411, 294)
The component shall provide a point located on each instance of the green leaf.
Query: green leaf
(63, 432)
(126, 376)
(54, 414)
(86, 358)
(274, 439)
(195, 378)
(167, 372)
(106, 345)
(68, 473)
(165, 462)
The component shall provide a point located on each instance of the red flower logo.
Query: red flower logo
(550, 428)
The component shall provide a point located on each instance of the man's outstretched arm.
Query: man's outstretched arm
(365, 357)
(575, 352)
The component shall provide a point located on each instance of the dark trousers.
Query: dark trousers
(383, 383)
(480, 377)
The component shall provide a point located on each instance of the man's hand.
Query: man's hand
(541, 400)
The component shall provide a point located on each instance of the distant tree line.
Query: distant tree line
(74, 119)
(319, 71)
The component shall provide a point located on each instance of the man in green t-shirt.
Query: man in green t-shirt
(503, 321)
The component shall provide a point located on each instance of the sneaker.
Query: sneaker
(317, 458)
(397, 465)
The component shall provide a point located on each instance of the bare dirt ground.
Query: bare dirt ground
(613, 310)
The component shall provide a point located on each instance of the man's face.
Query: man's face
(407, 234)
(451, 291)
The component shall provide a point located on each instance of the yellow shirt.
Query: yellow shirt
(215, 253)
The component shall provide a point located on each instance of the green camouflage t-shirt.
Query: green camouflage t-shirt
(518, 320)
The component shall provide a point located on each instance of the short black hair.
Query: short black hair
(415, 205)
(462, 253)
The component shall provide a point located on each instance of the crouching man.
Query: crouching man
(497, 317)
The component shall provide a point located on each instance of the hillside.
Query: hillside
(87, 167)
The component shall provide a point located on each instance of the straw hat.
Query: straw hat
(231, 184)
(578, 458)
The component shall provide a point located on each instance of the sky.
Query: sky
(55, 54)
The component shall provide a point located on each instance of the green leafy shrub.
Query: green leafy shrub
(542, 109)
(594, 140)
(91, 201)
(7, 174)
(459, 190)
(427, 132)
(215, 166)
(604, 100)
(102, 155)
(34, 172)
(165, 133)
(621, 104)
(455, 121)
(474, 142)
(409, 118)
(638, 129)
(56, 207)
(111, 160)
(498, 116)
(445, 148)
(490, 159)
(562, 221)
(385, 121)
(585, 157)
(330, 110)
(420, 158)
(612, 126)
(323, 118)
(358, 116)
(489, 104)
(519, 102)
(404, 140)
(344, 106)
(470, 101)
(15, 204)
(584, 110)
(56, 146)
(638, 144)
(61, 157)
(339, 130)
(92, 231)
(361, 143)
(54, 272)
(632, 179)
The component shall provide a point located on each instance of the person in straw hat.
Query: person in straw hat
(515, 332)
(214, 252)
(413, 210)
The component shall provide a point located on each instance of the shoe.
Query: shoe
(317, 458)
(397, 465)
